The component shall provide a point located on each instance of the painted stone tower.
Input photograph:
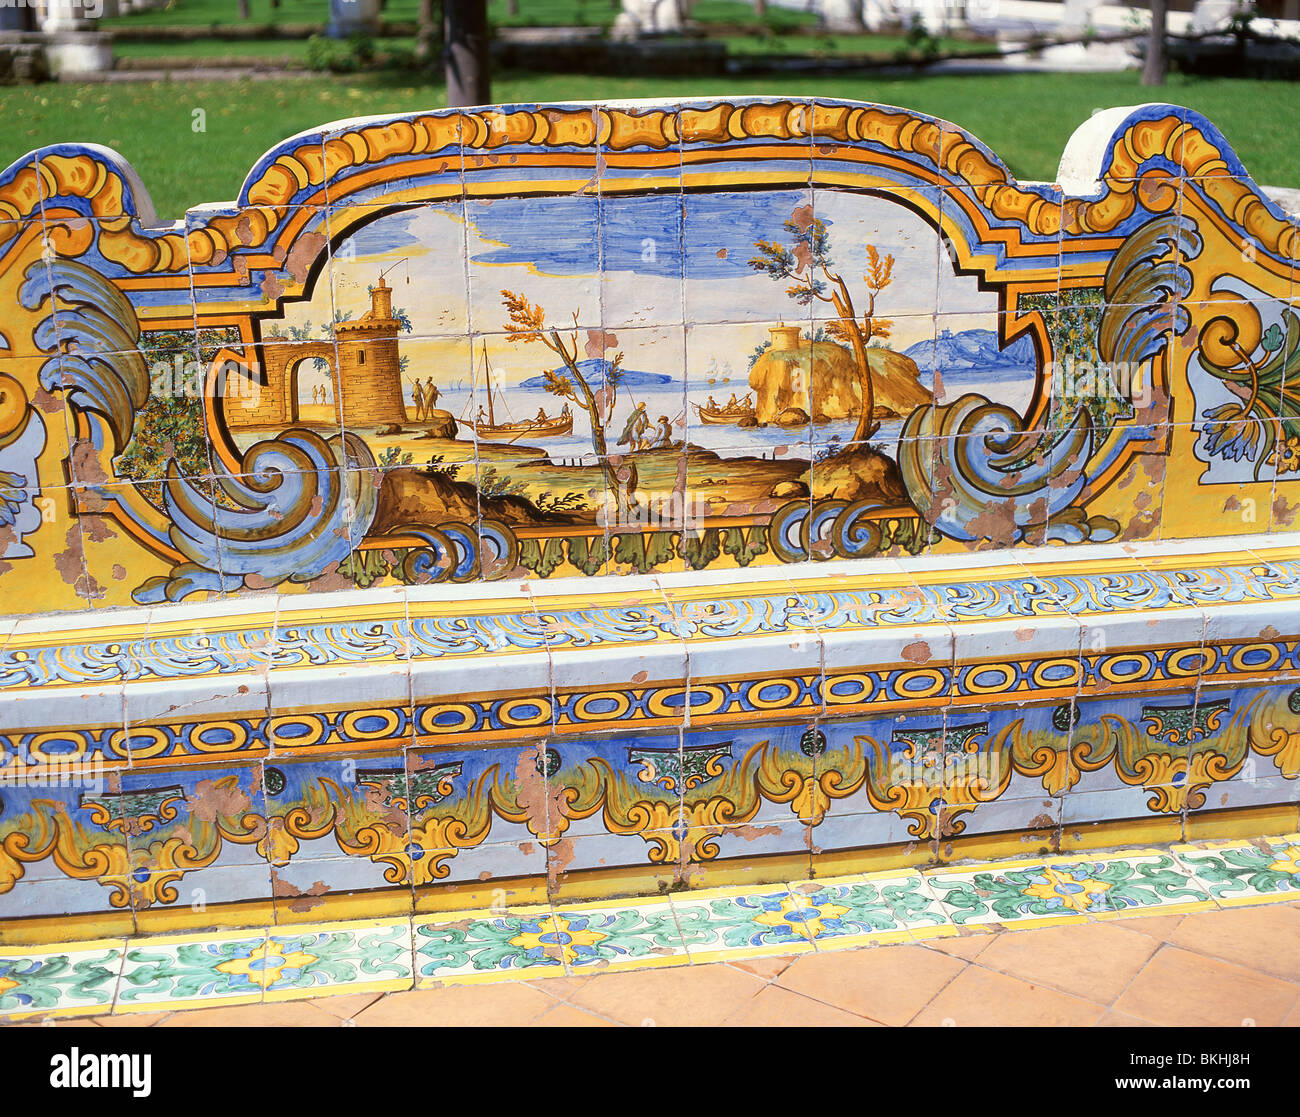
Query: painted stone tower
(369, 372)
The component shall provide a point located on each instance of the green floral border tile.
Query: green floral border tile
(221, 970)
(597, 936)
(547, 942)
(1245, 873)
(59, 981)
(1067, 890)
(772, 920)
(333, 960)
(855, 911)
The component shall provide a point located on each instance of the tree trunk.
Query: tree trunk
(426, 33)
(469, 80)
(760, 9)
(867, 425)
(1157, 64)
(512, 8)
(843, 303)
(244, 10)
(598, 443)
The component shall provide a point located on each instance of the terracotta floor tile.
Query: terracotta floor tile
(1095, 961)
(277, 1014)
(567, 1016)
(982, 998)
(1113, 1019)
(890, 984)
(131, 1020)
(775, 1007)
(767, 968)
(346, 1005)
(673, 996)
(1254, 937)
(491, 1004)
(1157, 926)
(961, 946)
(1179, 987)
(561, 988)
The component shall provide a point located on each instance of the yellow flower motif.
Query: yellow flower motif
(803, 920)
(1070, 890)
(1286, 455)
(557, 937)
(6, 984)
(1288, 861)
(264, 968)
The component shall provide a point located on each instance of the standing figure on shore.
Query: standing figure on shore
(635, 428)
(420, 402)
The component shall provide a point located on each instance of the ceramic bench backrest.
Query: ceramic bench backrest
(547, 341)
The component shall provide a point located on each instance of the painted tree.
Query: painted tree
(806, 262)
(527, 324)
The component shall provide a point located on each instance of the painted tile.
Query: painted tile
(357, 957)
(1236, 873)
(48, 982)
(485, 945)
(847, 912)
(742, 923)
(196, 970)
(1060, 890)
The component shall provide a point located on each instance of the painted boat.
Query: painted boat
(546, 426)
(717, 416)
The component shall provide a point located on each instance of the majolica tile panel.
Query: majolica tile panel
(583, 340)
(547, 503)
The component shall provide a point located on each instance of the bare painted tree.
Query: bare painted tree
(807, 263)
(1157, 61)
(527, 324)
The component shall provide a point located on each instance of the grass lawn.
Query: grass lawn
(1025, 118)
(532, 13)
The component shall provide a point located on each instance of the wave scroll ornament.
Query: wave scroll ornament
(94, 338)
(300, 504)
(979, 472)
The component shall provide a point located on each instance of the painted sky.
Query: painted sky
(668, 275)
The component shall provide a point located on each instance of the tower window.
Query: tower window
(363, 357)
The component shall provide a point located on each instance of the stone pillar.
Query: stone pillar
(347, 17)
(1077, 16)
(648, 17)
(72, 44)
(842, 15)
(939, 17)
(1212, 15)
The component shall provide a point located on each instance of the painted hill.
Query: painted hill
(593, 370)
(820, 378)
(974, 354)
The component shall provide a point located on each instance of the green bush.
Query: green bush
(339, 56)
